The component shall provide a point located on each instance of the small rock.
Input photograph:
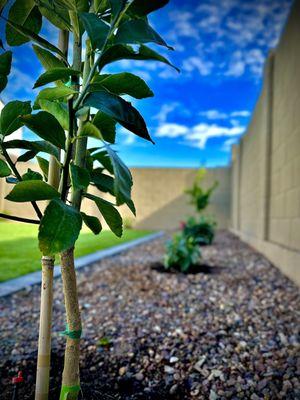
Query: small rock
(174, 360)
(173, 389)
(157, 329)
(122, 371)
(169, 370)
(213, 395)
(199, 363)
(139, 376)
(215, 373)
(262, 384)
(283, 338)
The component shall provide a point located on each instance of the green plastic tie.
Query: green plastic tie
(71, 334)
(65, 390)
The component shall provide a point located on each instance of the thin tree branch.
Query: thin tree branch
(68, 157)
(20, 219)
(19, 177)
(113, 27)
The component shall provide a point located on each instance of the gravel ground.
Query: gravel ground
(228, 334)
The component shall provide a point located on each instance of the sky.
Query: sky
(197, 114)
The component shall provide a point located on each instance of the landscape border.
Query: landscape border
(15, 285)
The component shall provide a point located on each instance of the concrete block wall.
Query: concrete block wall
(158, 194)
(161, 203)
(285, 152)
(266, 163)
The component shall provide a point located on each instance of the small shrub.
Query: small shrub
(200, 197)
(182, 253)
(202, 230)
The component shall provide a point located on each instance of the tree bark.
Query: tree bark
(44, 347)
(70, 379)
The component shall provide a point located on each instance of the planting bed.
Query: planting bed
(232, 334)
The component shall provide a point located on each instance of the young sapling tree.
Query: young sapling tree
(200, 197)
(82, 102)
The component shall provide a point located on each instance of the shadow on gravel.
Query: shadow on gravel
(196, 269)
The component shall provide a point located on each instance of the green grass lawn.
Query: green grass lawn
(19, 253)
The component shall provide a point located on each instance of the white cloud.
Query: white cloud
(164, 112)
(228, 144)
(214, 114)
(219, 115)
(242, 113)
(171, 130)
(232, 38)
(204, 67)
(183, 25)
(201, 133)
(198, 135)
(19, 85)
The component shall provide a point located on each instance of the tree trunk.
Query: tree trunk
(44, 347)
(70, 379)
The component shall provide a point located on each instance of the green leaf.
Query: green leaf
(31, 175)
(123, 180)
(104, 159)
(83, 113)
(123, 83)
(90, 130)
(106, 126)
(47, 127)
(5, 66)
(80, 177)
(35, 38)
(10, 121)
(103, 182)
(109, 213)
(97, 30)
(35, 147)
(89, 161)
(140, 8)
(76, 5)
(117, 6)
(51, 94)
(119, 109)
(32, 191)
(137, 31)
(47, 59)
(55, 74)
(4, 169)
(58, 110)
(92, 223)
(100, 6)
(121, 52)
(28, 155)
(59, 228)
(56, 14)
(26, 14)
(44, 165)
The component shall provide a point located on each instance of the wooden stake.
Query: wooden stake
(44, 348)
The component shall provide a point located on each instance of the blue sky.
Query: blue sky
(195, 116)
